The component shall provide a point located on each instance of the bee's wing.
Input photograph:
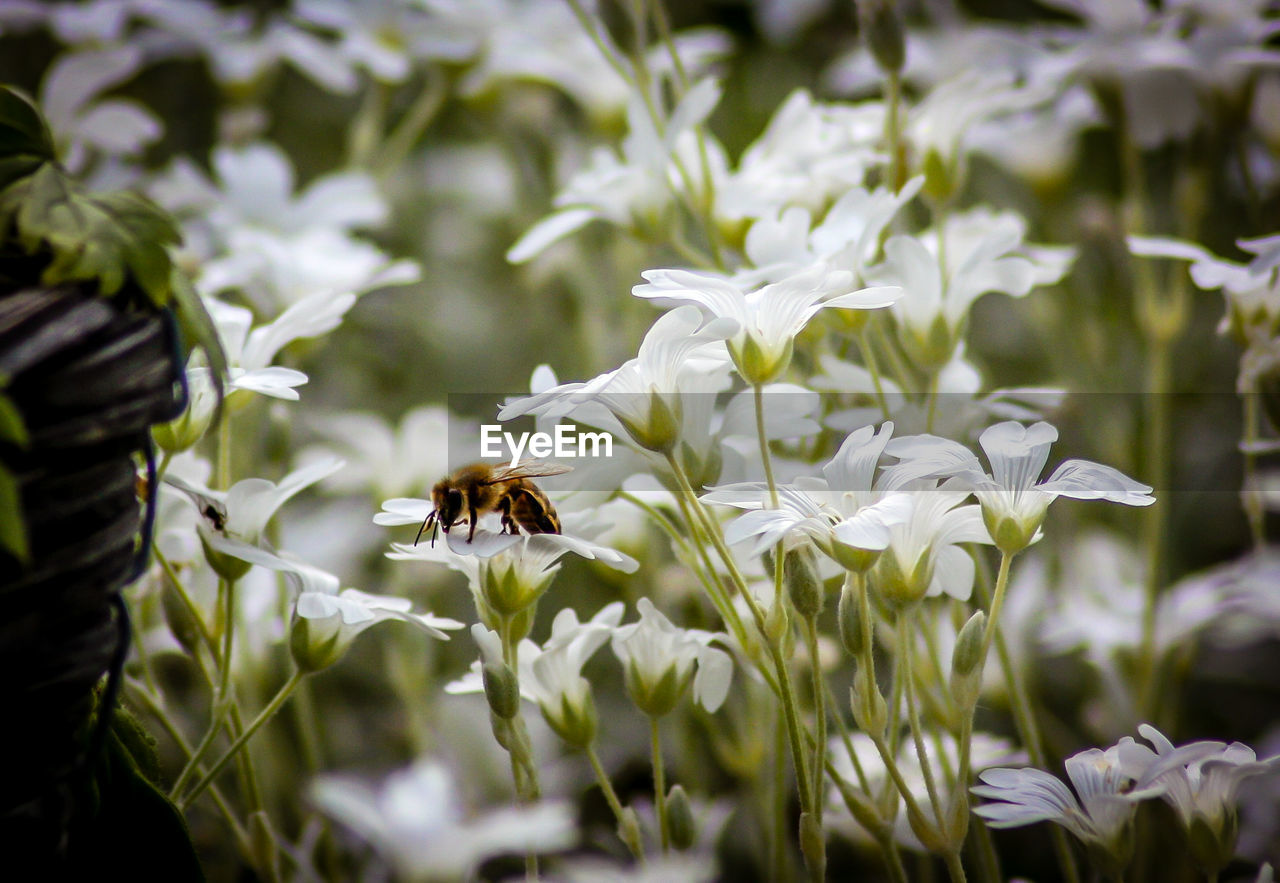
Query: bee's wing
(531, 469)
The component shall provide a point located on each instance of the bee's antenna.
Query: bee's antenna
(429, 520)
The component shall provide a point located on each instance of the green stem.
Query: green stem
(905, 652)
(411, 126)
(157, 711)
(873, 368)
(659, 784)
(1250, 496)
(892, 129)
(820, 717)
(611, 797)
(764, 446)
(268, 712)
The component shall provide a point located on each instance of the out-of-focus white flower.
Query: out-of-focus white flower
(984, 253)
(546, 43)
(1253, 298)
(385, 461)
(658, 659)
(386, 37)
(1200, 780)
(1164, 59)
(985, 749)
(634, 190)
(809, 154)
(1101, 815)
(416, 821)
(766, 319)
(847, 238)
(84, 125)
(939, 125)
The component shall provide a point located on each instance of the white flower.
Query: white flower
(386, 461)
(658, 659)
(642, 397)
(808, 155)
(416, 821)
(767, 319)
(634, 190)
(250, 351)
(385, 37)
(326, 624)
(1199, 780)
(841, 514)
(1253, 298)
(1100, 816)
(82, 123)
(232, 521)
(985, 252)
(924, 557)
(507, 572)
(1013, 500)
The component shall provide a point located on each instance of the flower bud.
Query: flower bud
(680, 822)
(869, 709)
(182, 625)
(958, 818)
(501, 689)
(776, 626)
(800, 575)
(967, 654)
(880, 27)
(925, 831)
(190, 426)
(629, 831)
(849, 619)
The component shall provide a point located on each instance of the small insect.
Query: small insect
(479, 488)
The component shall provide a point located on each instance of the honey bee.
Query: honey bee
(482, 487)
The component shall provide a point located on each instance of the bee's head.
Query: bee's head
(448, 503)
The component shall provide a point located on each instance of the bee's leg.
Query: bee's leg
(508, 525)
(474, 517)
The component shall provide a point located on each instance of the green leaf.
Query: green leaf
(25, 141)
(13, 529)
(103, 238)
(12, 427)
